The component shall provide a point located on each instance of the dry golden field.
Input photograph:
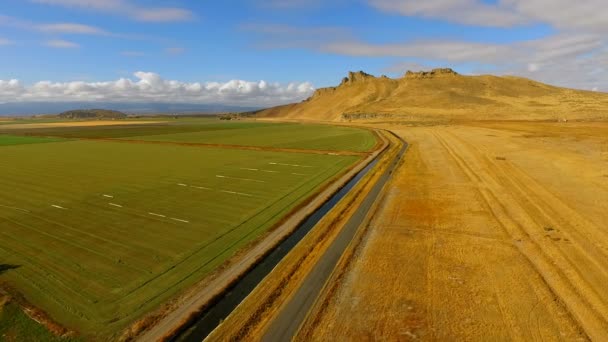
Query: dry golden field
(489, 231)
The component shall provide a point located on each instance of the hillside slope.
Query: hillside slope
(444, 94)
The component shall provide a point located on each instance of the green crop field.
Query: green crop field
(319, 137)
(15, 325)
(102, 232)
(20, 140)
(208, 131)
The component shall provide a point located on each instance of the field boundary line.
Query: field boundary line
(235, 147)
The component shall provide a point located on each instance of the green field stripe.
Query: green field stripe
(92, 239)
(329, 173)
(61, 274)
(11, 140)
(67, 242)
(322, 137)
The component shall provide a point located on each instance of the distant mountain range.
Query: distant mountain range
(443, 94)
(37, 108)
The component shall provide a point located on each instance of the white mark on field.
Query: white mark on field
(179, 220)
(14, 208)
(200, 187)
(115, 205)
(294, 165)
(182, 184)
(299, 174)
(155, 214)
(236, 193)
(108, 196)
(58, 207)
(269, 171)
(245, 179)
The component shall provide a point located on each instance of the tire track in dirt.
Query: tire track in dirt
(506, 197)
(459, 252)
(553, 216)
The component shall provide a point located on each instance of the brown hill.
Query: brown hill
(444, 94)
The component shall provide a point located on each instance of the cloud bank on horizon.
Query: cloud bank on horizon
(151, 87)
(207, 47)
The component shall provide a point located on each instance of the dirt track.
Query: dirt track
(485, 234)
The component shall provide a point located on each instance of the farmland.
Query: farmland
(209, 131)
(102, 231)
(6, 140)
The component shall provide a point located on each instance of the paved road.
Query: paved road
(291, 316)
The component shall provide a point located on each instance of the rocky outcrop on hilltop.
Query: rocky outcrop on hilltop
(356, 76)
(431, 74)
(352, 78)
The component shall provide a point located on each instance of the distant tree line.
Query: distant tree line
(235, 116)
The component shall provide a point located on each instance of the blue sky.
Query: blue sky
(220, 51)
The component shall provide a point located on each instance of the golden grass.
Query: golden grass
(453, 97)
(485, 233)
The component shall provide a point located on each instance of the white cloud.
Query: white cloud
(435, 50)
(4, 41)
(61, 44)
(583, 72)
(52, 28)
(162, 14)
(587, 15)
(470, 12)
(273, 36)
(132, 53)
(533, 67)
(175, 50)
(71, 28)
(127, 8)
(151, 87)
(289, 4)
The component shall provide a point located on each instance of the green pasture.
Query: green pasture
(16, 326)
(319, 137)
(213, 131)
(104, 231)
(6, 140)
